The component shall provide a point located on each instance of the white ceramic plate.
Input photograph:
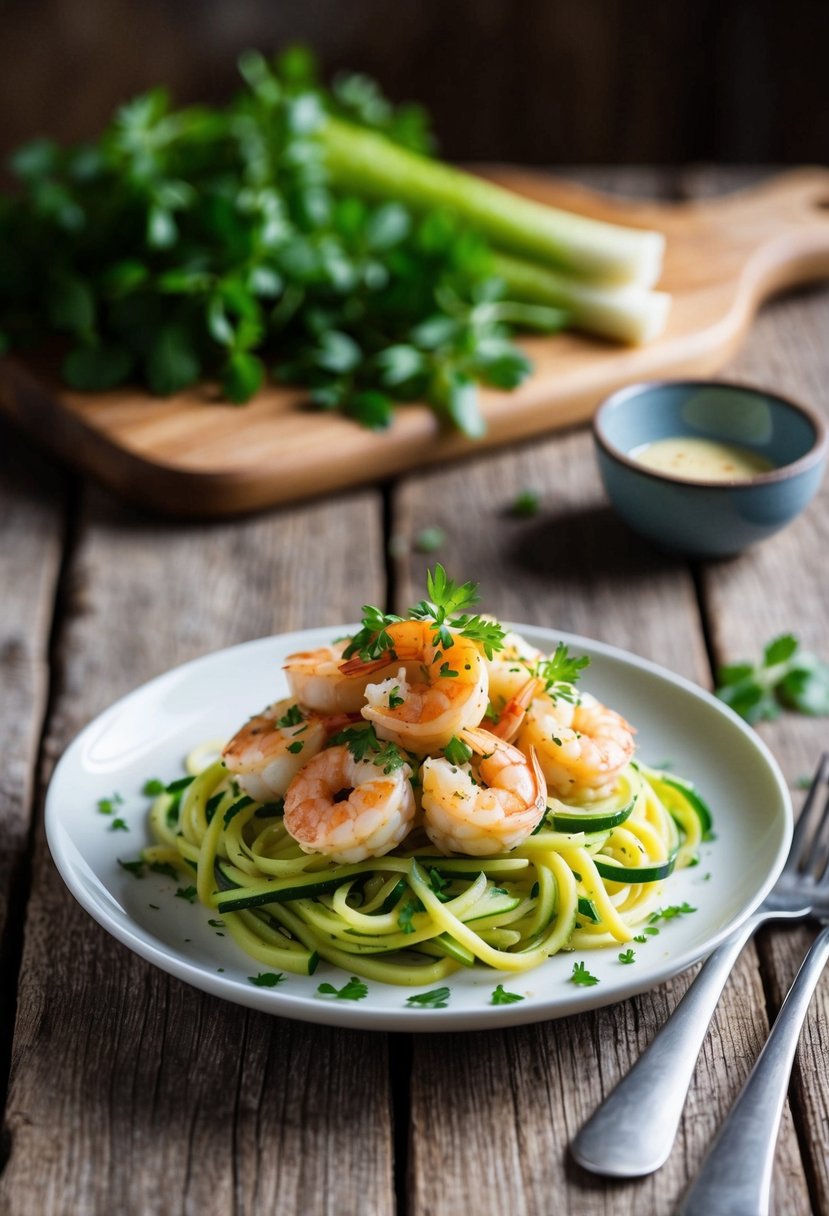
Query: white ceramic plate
(148, 733)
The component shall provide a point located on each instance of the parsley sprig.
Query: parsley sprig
(582, 977)
(561, 671)
(445, 599)
(786, 677)
(361, 740)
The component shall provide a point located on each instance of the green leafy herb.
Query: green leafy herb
(119, 825)
(582, 976)
(136, 868)
(188, 893)
(445, 599)
(354, 990)
(363, 744)
(561, 670)
(404, 919)
(671, 912)
(176, 787)
(429, 540)
(525, 504)
(439, 884)
(153, 787)
(627, 956)
(501, 997)
(640, 937)
(107, 806)
(786, 677)
(296, 747)
(267, 979)
(293, 716)
(457, 752)
(163, 867)
(437, 998)
(394, 697)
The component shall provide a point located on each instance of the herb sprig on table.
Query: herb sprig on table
(787, 677)
(199, 243)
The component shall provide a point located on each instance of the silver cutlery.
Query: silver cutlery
(651, 1096)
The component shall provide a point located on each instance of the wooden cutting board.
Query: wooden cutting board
(192, 455)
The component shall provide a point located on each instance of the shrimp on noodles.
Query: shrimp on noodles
(510, 668)
(462, 816)
(269, 750)
(435, 691)
(349, 809)
(582, 748)
(317, 680)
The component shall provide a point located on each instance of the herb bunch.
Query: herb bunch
(213, 243)
(787, 677)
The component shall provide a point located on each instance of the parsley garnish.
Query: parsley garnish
(439, 884)
(119, 825)
(429, 540)
(670, 913)
(363, 744)
(437, 998)
(582, 976)
(267, 979)
(354, 990)
(640, 937)
(188, 893)
(175, 787)
(297, 747)
(525, 504)
(293, 716)
(372, 641)
(107, 805)
(500, 997)
(785, 678)
(136, 868)
(395, 698)
(561, 671)
(445, 598)
(627, 956)
(457, 752)
(163, 867)
(153, 787)
(404, 919)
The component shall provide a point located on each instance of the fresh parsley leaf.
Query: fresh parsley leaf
(267, 979)
(582, 976)
(561, 670)
(786, 677)
(404, 919)
(525, 504)
(119, 825)
(457, 752)
(188, 893)
(293, 716)
(296, 747)
(671, 912)
(136, 868)
(627, 956)
(437, 998)
(501, 997)
(354, 990)
(363, 744)
(153, 787)
(163, 867)
(107, 806)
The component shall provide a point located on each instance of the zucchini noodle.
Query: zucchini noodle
(587, 877)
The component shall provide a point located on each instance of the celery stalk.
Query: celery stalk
(369, 164)
(626, 314)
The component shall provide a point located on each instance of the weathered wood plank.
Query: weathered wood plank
(509, 1102)
(781, 587)
(32, 495)
(130, 1091)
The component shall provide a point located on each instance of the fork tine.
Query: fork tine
(809, 824)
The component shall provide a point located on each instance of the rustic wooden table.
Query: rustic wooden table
(129, 1092)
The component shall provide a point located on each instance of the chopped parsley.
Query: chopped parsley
(136, 868)
(457, 752)
(188, 893)
(119, 825)
(561, 671)
(363, 744)
(525, 504)
(163, 867)
(106, 806)
(582, 976)
(670, 913)
(627, 956)
(395, 698)
(153, 787)
(292, 717)
(296, 748)
(439, 884)
(267, 979)
(437, 998)
(354, 990)
(429, 540)
(404, 919)
(500, 997)
(216, 924)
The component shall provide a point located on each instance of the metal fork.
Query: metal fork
(651, 1096)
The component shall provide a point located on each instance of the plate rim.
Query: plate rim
(404, 1019)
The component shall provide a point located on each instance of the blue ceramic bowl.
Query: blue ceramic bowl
(708, 518)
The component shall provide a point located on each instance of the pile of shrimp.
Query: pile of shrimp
(396, 815)
(478, 744)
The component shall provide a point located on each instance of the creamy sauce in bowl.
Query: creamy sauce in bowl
(698, 459)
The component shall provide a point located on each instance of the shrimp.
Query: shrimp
(348, 809)
(464, 817)
(582, 747)
(511, 718)
(270, 749)
(510, 667)
(435, 693)
(316, 678)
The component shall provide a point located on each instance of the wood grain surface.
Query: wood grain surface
(130, 1092)
(192, 455)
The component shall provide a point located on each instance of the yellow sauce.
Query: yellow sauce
(701, 459)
